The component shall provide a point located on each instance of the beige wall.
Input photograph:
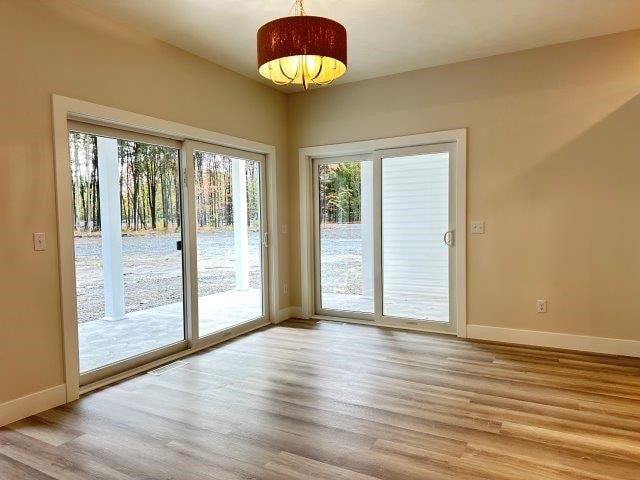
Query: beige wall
(553, 169)
(553, 164)
(53, 47)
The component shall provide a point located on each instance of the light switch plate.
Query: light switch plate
(477, 227)
(39, 242)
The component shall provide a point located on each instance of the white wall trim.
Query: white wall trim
(289, 312)
(284, 314)
(31, 404)
(296, 312)
(583, 343)
(63, 109)
(305, 159)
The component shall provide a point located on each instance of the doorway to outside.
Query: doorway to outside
(386, 235)
(169, 243)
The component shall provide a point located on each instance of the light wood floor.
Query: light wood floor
(323, 400)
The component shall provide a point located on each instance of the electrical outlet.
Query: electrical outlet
(39, 242)
(477, 227)
(542, 306)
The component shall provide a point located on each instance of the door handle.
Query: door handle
(179, 245)
(449, 238)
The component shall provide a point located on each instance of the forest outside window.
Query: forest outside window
(127, 225)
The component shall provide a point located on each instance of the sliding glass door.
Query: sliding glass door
(417, 233)
(344, 235)
(127, 236)
(385, 236)
(170, 246)
(228, 237)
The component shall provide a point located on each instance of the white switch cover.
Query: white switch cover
(477, 227)
(39, 242)
(542, 306)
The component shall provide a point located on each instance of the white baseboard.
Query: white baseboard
(37, 402)
(583, 343)
(287, 313)
(283, 314)
(296, 312)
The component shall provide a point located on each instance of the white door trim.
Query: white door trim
(305, 171)
(65, 109)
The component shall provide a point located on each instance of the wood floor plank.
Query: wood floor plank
(323, 400)
(15, 470)
(304, 468)
(41, 429)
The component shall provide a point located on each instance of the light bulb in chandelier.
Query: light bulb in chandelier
(302, 50)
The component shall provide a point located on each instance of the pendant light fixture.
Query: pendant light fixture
(302, 49)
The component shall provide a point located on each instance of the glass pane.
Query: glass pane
(346, 235)
(415, 217)
(126, 207)
(228, 227)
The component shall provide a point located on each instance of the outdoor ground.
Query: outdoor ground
(153, 270)
(341, 258)
(153, 289)
(153, 267)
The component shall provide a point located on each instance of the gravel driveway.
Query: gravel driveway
(153, 267)
(153, 270)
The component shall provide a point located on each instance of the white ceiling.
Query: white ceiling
(384, 36)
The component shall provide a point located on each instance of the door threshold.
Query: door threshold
(428, 328)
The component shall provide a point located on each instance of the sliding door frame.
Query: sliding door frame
(307, 190)
(328, 312)
(189, 147)
(161, 351)
(378, 259)
(65, 109)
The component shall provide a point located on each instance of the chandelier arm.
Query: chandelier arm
(291, 79)
(305, 73)
(319, 72)
(277, 82)
(326, 82)
(281, 83)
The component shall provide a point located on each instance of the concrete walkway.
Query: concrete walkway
(431, 306)
(103, 342)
